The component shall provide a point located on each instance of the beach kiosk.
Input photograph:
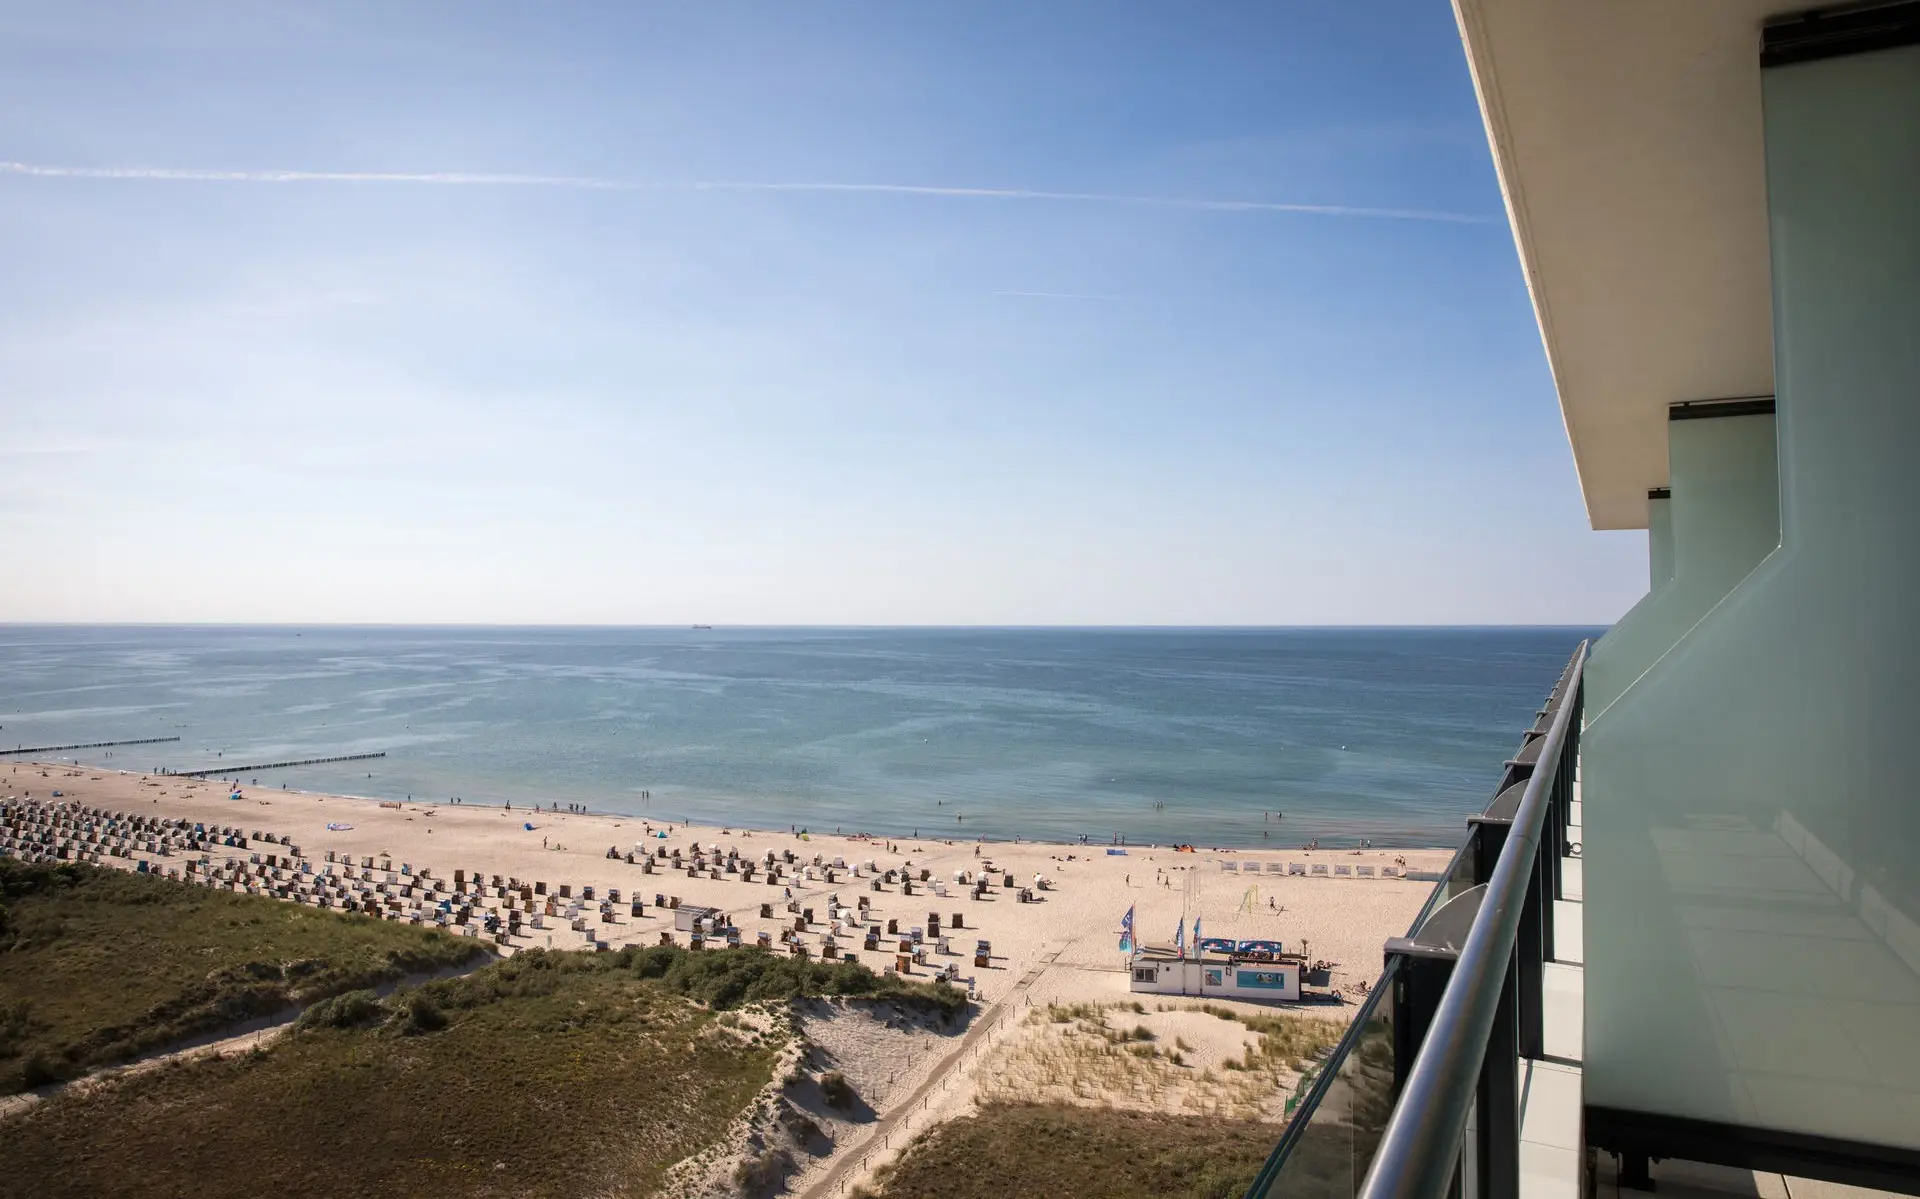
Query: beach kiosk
(1216, 972)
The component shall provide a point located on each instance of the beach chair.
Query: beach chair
(1343, 871)
(1294, 868)
(1276, 867)
(1318, 870)
(1230, 867)
(1363, 871)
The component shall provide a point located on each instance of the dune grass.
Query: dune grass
(1031, 1151)
(100, 965)
(1095, 1054)
(548, 1074)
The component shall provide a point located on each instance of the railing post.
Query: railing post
(1499, 1100)
(1417, 988)
(1528, 951)
(1489, 838)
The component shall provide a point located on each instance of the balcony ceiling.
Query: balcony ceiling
(1627, 136)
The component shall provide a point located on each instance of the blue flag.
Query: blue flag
(1180, 937)
(1126, 931)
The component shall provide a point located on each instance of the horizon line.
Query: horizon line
(599, 183)
(708, 628)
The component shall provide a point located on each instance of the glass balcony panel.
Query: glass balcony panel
(1326, 1150)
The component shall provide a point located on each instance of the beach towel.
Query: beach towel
(339, 828)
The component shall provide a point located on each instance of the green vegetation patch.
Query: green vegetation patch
(731, 977)
(547, 1074)
(99, 965)
(1010, 1151)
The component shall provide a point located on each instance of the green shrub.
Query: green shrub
(354, 1009)
(39, 1070)
(1217, 1184)
(16, 1021)
(837, 1091)
(419, 1014)
(762, 1171)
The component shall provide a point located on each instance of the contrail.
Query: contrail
(1057, 295)
(594, 183)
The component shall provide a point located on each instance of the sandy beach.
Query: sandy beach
(1075, 924)
(1061, 949)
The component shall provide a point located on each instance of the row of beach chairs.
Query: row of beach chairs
(1313, 869)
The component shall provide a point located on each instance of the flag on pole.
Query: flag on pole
(1180, 937)
(1126, 931)
(1196, 934)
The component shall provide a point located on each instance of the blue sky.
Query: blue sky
(770, 313)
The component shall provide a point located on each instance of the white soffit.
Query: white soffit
(1627, 135)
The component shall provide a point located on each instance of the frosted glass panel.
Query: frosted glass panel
(1725, 518)
(1752, 813)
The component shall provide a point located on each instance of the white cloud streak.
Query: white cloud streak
(1059, 295)
(594, 183)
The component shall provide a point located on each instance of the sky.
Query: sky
(770, 313)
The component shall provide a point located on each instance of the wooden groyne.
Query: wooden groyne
(226, 770)
(52, 749)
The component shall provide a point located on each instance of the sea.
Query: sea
(1212, 737)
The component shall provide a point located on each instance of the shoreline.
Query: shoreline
(689, 822)
(1327, 842)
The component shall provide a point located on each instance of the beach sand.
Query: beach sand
(1075, 925)
(1061, 949)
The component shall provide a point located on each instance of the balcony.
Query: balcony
(1463, 1073)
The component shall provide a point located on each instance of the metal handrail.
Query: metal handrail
(1416, 1155)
